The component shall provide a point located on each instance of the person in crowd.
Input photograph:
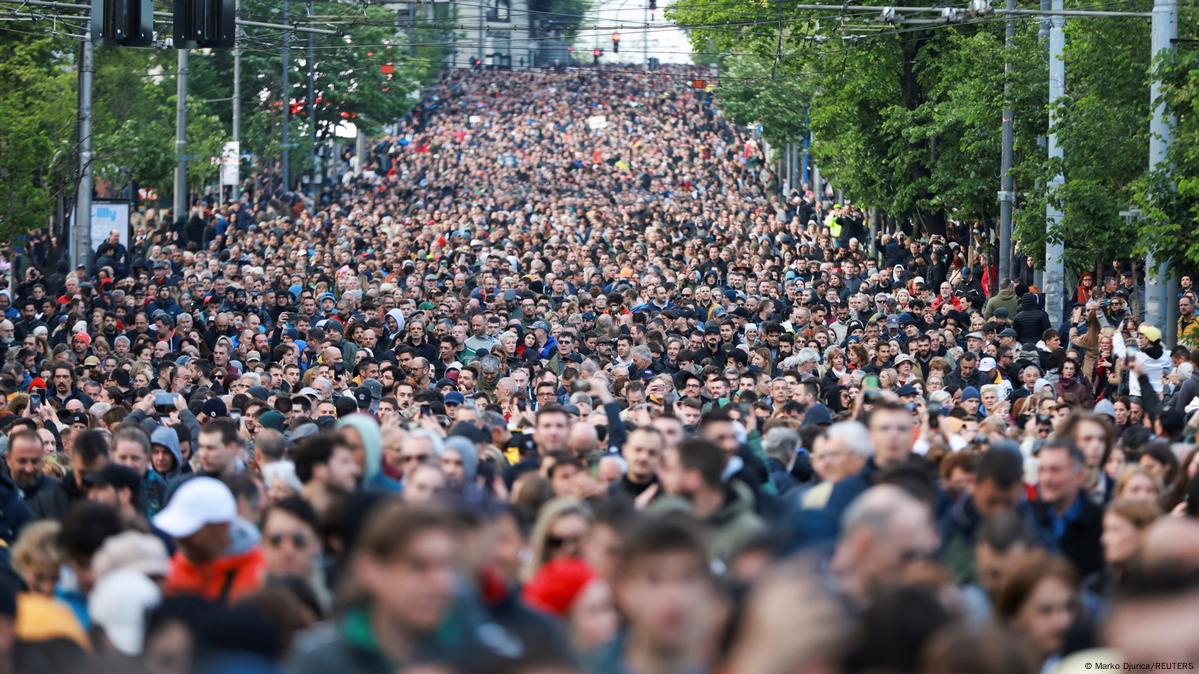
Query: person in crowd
(1039, 601)
(219, 555)
(514, 390)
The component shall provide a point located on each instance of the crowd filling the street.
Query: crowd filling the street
(560, 379)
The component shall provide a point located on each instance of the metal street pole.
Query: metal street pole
(181, 135)
(82, 226)
(1157, 274)
(1054, 271)
(481, 9)
(312, 184)
(1006, 196)
(285, 171)
(237, 102)
(645, 35)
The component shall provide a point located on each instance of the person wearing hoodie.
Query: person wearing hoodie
(692, 473)
(394, 325)
(362, 435)
(219, 556)
(1150, 355)
(1006, 298)
(166, 454)
(1029, 320)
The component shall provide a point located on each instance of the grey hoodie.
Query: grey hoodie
(166, 436)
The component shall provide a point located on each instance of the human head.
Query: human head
(663, 584)
(198, 517)
(882, 533)
(1060, 473)
(219, 447)
(290, 536)
(1038, 600)
(890, 425)
(404, 564)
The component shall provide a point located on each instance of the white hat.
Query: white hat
(199, 502)
(118, 605)
(986, 364)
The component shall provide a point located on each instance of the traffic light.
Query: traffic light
(123, 23)
(616, 43)
(595, 54)
(653, 5)
(205, 23)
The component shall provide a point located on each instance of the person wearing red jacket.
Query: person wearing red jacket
(219, 557)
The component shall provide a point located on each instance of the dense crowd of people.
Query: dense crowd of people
(558, 381)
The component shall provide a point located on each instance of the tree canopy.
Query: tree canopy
(907, 117)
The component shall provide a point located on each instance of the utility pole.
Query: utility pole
(645, 35)
(1165, 30)
(482, 8)
(314, 161)
(81, 228)
(1054, 272)
(237, 101)
(285, 171)
(181, 135)
(1006, 196)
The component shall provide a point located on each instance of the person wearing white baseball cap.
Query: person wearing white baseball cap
(219, 556)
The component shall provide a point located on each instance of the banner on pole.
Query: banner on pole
(230, 163)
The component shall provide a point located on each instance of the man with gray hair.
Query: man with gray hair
(838, 454)
(882, 532)
(781, 445)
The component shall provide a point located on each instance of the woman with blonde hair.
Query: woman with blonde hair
(37, 556)
(558, 532)
(1138, 484)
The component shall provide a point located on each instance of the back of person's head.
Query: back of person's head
(895, 628)
(86, 526)
(1002, 467)
(975, 649)
(313, 451)
(270, 443)
(91, 446)
(704, 456)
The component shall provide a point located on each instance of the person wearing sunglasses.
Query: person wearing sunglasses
(292, 546)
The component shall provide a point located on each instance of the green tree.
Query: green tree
(908, 119)
(1169, 197)
(369, 76)
(37, 129)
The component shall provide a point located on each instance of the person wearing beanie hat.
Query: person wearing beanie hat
(971, 401)
(570, 590)
(214, 408)
(273, 419)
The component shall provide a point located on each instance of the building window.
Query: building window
(499, 10)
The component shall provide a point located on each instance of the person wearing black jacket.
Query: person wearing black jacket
(90, 455)
(1064, 513)
(1030, 321)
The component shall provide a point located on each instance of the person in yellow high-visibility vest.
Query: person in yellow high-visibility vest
(834, 226)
